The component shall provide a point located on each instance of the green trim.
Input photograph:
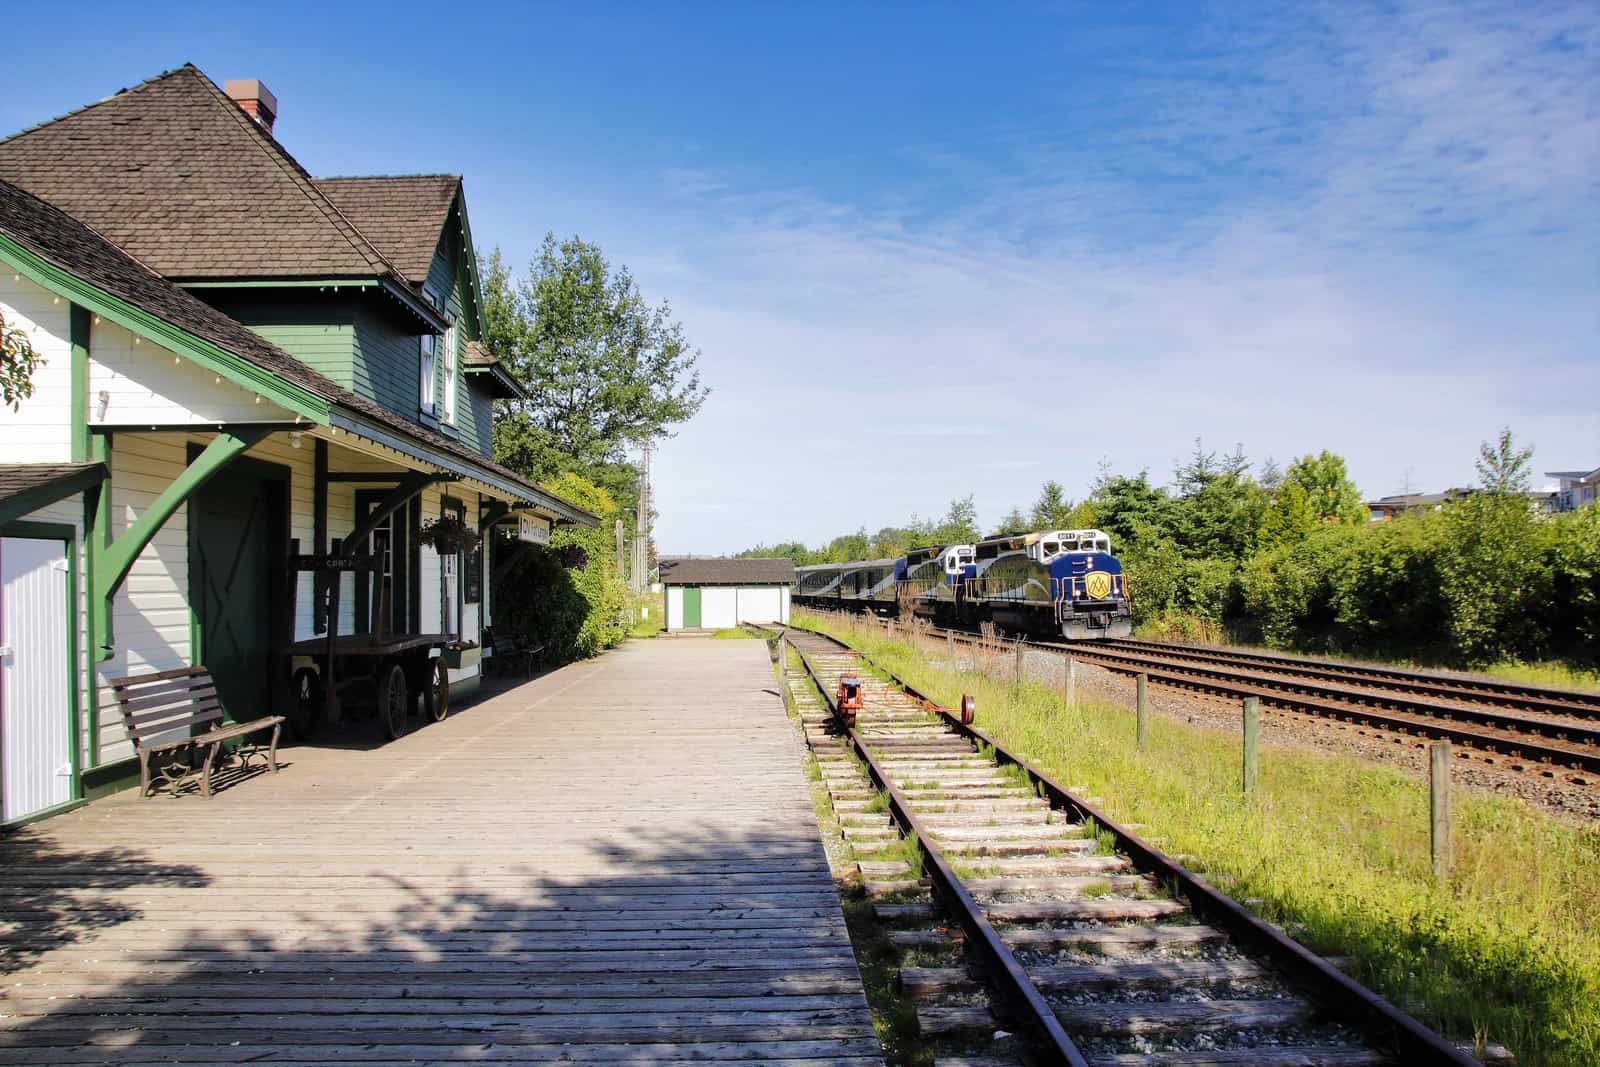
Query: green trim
(430, 315)
(55, 531)
(59, 809)
(469, 257)
(110, 778)
(44, 531)
(120, 554)
(97, 535)
(409, 486)
(350, 421)
(79, 332)
(14, 507)
(284, 283)
(513, 389)
(208, 354)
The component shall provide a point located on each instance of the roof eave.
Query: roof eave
(235, 368)
(531, 496)
(510, 388)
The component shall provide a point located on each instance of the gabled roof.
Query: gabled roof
(35, 228)
(484, 366)
(402, 214)
(176, 174)
(756, 571)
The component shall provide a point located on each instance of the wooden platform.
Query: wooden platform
(615, 863)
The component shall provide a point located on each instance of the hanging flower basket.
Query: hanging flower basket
(449, 535)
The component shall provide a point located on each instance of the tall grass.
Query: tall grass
(1337, 849)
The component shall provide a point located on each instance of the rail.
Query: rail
(1337, 991)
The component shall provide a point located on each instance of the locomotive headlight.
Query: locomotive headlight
(1097, 585)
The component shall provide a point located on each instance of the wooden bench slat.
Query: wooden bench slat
(151, 722)
(135, 679)
(176, 696)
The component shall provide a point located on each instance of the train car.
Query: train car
(935, 581)
(863, 585)
(1063, 582)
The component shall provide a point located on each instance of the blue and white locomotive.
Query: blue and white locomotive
(1057, 582)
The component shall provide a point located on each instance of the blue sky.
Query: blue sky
(950, 249)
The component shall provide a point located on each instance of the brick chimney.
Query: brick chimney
(256, 100)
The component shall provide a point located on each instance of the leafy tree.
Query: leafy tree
(1052, 510)
(1011, 522)
(1496, 577)
(1332, 496)
(18, 360)
(1289, 520)
(604, 371)
(960, 522)
(1502, 466)
(1128, 508)
(848, 547)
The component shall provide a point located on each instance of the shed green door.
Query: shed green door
(691, 607)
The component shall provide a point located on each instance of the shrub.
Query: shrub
(577, 610)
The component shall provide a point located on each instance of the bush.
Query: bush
(574, 611)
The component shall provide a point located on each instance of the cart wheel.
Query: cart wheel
(307, 704)
(436, 691)
(393, 703)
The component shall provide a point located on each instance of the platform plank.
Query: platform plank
(617, 857)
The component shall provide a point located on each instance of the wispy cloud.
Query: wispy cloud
(1375, 233)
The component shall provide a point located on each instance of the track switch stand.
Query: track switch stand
(849, 698)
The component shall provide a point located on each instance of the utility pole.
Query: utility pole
(641, 526)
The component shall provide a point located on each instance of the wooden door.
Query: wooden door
(235, 537)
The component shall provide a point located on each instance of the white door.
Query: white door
(35, 758)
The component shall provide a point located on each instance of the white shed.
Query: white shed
(714, 594)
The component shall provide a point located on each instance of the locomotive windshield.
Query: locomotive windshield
(1056, 542)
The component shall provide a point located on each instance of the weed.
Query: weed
(1508, 948)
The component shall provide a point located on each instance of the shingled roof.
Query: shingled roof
(176, 174)
(402, 214)
(757, 571)
(75, 248)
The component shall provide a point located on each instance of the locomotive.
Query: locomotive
(1055, 582)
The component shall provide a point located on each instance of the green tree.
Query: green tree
(960, 522)
(1129, 508)
(1502, 466)
(1012, 522)
(1289, 520)
(1052, 510)
(1496, 577)
(604, 371)
(18, 361)
(1332, 496)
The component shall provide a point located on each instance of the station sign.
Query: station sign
(532, 529)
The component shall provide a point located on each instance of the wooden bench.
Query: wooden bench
(509, 651)
(154, 705)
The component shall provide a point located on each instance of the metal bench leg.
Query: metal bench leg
(272, 752)
(205, 773)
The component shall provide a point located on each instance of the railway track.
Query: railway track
(1567, 703)
(1042, 931)
(1403, 702)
